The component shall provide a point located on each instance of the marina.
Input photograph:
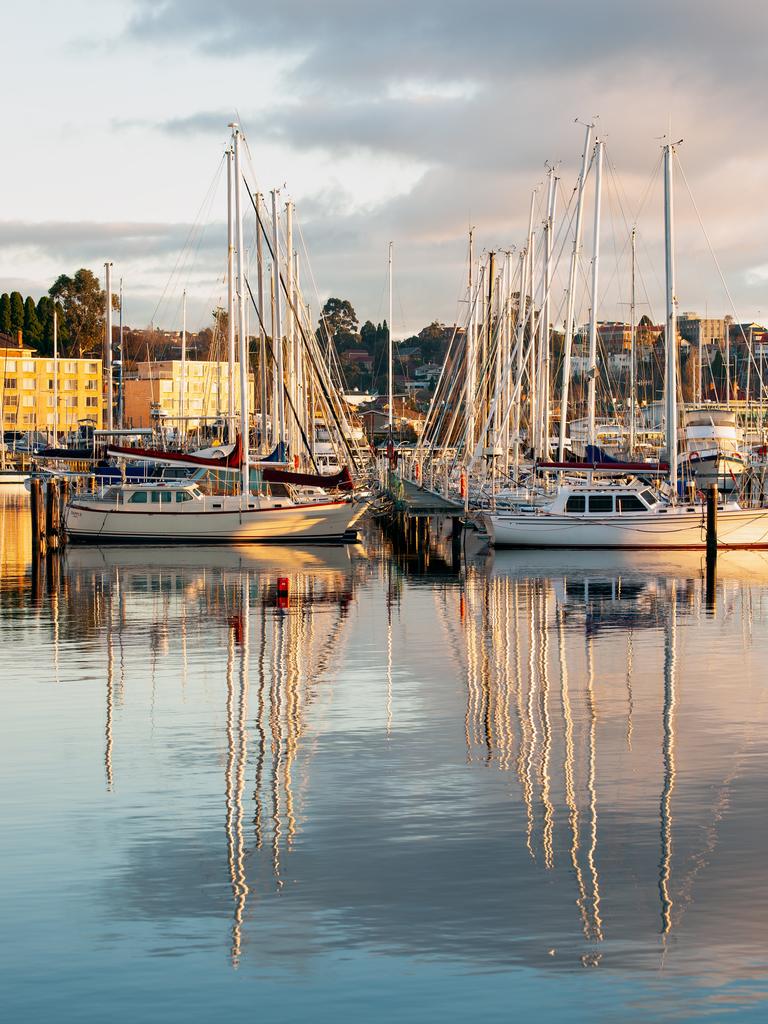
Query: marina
(384, 513)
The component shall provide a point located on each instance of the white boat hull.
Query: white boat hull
(12, 477)
(718, 468)
(675, 528)
(321, 522)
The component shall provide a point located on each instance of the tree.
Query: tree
(5, 313)
(340, 317)
(368, 335)
(17, 312)
(32, 330)
(82, 300)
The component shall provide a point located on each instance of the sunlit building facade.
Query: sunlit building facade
(27, 390)
(155, 392)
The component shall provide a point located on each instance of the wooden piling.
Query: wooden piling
(37, 511)
(712, 523)
(52, 515)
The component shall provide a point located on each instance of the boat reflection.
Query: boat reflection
(531, 617)
(284, 612)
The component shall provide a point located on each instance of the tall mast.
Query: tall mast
(121, 378)
(544, 339)
(530, 288)
(571, 304)
(632, 356)
(231, 357)
(262, 332)
(671, 326)
(277, 341)
(469, 395)
(592, 368)
(244, 431)
(183, 381)
(389, 346)
(290, 330)
(55, 375)
(108, 342)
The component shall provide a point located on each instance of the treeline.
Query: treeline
(79, 305)
(33, 319)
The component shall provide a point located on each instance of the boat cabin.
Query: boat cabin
(151, 494)
(605, 500)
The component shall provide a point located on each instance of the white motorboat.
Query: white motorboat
(623, 515)
(712, 451)
(179, 512)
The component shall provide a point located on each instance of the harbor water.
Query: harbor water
(353, 784)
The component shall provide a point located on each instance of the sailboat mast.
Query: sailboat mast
(108, 342)
(592, 368)
(183, 382)
(632, 356)
(671, 325)
(544, 338)
(244, 431)
(121, 378)
(262, 333)
(469, 396)
(277, 341)
(55, 376)
(389, 346)
(230, 304)
(571, 304)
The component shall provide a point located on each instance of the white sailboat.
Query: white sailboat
(179, 512)
(630, 514)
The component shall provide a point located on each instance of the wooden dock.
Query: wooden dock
(415, 501)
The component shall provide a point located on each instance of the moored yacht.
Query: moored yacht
(594, 514)
(179, 512)
(712, 452)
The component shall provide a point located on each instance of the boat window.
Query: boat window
(575, 503)
(183, 496)
(630, 503)
(650, 497)
(139, 498)
(156, 497)
(166, 496)
(601, 503)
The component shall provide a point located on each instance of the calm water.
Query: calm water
(532, 789)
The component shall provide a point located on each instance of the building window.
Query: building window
(91, 402)
(28, 401)
(28, 385)
(10, 384)
(10, 365)
(28, 366)
(93, 368)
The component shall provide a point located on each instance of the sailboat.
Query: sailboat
(178, 511)
(629, 514)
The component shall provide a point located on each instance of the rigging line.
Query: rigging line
(205, 203)
(709, 245)
(308, 348)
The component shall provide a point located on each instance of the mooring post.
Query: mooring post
(37, 507)
(712, 522)
(52, 514)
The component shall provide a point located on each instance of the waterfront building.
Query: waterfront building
(27, 382)
(154, 392)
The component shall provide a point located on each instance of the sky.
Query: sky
(405, 122)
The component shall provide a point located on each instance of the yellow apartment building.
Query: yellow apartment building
(157, 388)
(27, 390)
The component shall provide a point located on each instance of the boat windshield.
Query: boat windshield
(650, 497)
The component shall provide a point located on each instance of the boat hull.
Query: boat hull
(320, 523)
(676, 528)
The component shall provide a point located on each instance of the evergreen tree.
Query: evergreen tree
(82, 301)
(5, 313)
(33, 332)
(17, 312)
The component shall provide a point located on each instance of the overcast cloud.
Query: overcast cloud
(402, 121)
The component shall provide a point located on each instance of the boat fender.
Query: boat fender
(463, 484)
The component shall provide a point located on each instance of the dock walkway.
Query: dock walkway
(413, 500)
